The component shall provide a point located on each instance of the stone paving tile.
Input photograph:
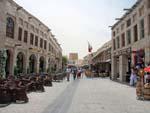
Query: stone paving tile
(91, 96)
(105, 96)
(37, 101)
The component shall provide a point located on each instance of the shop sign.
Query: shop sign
(124, 51)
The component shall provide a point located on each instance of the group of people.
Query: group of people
(134, 76)
(77, 73)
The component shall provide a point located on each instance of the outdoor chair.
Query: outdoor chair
(17, 91)
(39, 85)
(47, 81)
(5, 96)
(21, 95)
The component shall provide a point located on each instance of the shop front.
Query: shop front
(139, 58)
(121, 65)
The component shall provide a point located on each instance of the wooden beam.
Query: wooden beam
(127, 9)
(118, 18)
(110, 26)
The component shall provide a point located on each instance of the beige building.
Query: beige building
(102, 58)
(79, 63)
(30, 44)
(87, 60)
(73, 58)
(131, 40)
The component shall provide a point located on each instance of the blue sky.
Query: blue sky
(74, 22)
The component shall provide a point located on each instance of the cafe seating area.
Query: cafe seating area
(15, 89)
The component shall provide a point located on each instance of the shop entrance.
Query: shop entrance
(8, 63)
(32, 63)
(42, 65)
(20, 63)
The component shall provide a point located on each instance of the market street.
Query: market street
(83, 96)
(105, 96)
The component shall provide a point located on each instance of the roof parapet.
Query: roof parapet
(129, 10)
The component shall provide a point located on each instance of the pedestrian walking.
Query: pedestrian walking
(79, 74)
(133, 77)
(68, 71)
(74, 72)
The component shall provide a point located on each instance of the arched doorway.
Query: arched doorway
(49, 65)
(42, 65)
(8, 62)
(20, 62)
(52, 65)
(32, 63)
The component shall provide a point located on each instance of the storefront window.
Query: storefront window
(118, 42)
(45, 44)
(20, 34)
(25, 36)
(123, 39)
(31, 38)
(128, 22)
(142, 32)
(36, 40)
(129, 37)
(139, 58)
(135, 33)
(41, 43)
(114, 44)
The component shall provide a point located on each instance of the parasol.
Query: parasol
(147, 69)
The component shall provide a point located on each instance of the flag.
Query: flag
(89, 47)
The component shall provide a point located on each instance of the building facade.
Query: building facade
(102, 58)
(87, 60)
(31, 47)
(131, 40)
(79, 63)
(73, 58)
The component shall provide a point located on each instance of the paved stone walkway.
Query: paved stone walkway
(83, 96)
(63, 102)
(38, 102)
(105, 96)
